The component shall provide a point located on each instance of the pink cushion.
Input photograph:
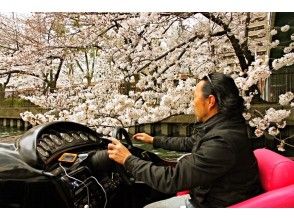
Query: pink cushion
(275, 171)
(183, 192)
(279, 198)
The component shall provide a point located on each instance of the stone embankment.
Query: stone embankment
(9, 139)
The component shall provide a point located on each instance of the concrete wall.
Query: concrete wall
(180, 125)
(14, 123)
(10, 116)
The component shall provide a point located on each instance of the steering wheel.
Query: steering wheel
(119, 133)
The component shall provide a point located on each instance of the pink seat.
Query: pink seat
(277, 179)
(183, 192)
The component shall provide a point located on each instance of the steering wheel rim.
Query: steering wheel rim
(119, 133)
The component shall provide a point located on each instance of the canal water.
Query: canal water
(6, 132)
(8, 135)
(166, 154)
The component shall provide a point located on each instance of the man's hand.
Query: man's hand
(117, 151)
(146, 138)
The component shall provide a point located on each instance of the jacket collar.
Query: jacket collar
(212, 121)
(219, 118)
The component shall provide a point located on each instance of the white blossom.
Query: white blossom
(276, 116)
(286, 60)
(281, 124)
(281, 146)
(285, 99)
(255, 121)
(247, 116)
(273, 131)
(227, 70)
(275, 43)
(285, 28)
(287, 49)
(258, 132)
(274, 32)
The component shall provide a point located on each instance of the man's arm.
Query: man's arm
(198, 169)
(182, 144)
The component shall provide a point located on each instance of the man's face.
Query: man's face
(201, 104)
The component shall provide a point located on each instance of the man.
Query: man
(221, 169)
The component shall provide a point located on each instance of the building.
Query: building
(259, 40)
(281, 80)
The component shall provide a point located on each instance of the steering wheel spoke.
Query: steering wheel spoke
(122, 135)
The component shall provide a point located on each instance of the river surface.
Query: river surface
(9, 135)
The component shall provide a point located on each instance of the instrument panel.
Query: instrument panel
(43, 144)
(52, 141)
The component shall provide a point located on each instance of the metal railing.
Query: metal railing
(279, 84)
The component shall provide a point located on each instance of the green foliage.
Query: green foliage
(59, 28)
(93, 53)
(15, 102)
(76, 23)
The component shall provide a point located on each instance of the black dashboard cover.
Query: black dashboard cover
(27, 144)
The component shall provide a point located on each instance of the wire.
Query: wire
(105, 194)
(82, 157)
(83, 182)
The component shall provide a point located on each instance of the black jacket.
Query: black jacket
(220, 171)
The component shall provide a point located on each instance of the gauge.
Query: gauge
(84, 136)
(42, 152)
(49, 142)
(55, 139)
(75, 136)
(44, 145)
(67, 137)
(92, 138)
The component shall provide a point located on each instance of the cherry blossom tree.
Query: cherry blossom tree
(108, 69)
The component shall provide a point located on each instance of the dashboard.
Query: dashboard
(42, 145)
(63, 151)
(68, 165)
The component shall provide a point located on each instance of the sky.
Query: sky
(145, 5)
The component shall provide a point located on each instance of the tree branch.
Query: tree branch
(234, 41)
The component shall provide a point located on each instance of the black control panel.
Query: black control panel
(50, 144)
(64, 150)
(41, 146)
(88, 190)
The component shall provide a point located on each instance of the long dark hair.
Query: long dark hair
(223, 87)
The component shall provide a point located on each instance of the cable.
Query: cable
(105, 194)
(83, 182)
(82, 157)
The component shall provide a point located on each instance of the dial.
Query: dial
(55, 139)
(75, 136)
(68, 138)
(84, 136)
(92, 138)
(49, 142)
(44, 145)
(42, 152)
